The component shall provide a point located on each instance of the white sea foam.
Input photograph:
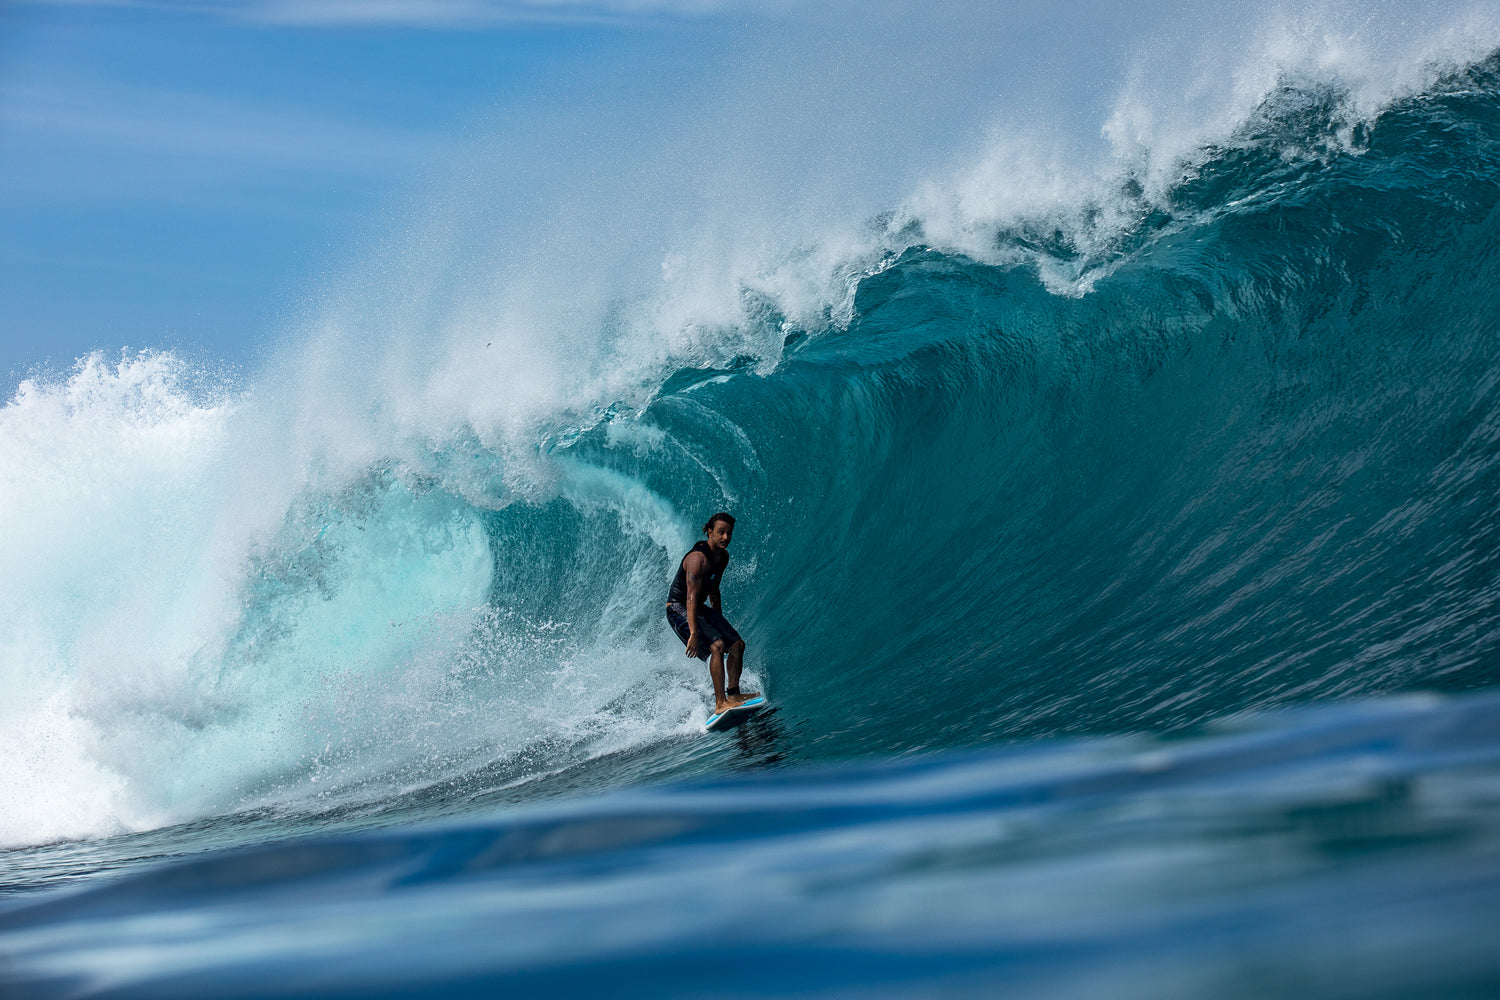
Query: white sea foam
(103, 476)
(190, 631)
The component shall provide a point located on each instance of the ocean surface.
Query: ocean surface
(1124, 571)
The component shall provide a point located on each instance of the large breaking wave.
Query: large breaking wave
(1217, 433)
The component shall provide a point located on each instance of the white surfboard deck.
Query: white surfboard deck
(734, 716)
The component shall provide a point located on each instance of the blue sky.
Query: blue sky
(182, 178)
(199, 175)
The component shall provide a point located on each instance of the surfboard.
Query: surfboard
(731, 717)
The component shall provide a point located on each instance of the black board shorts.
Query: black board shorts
(711, 628)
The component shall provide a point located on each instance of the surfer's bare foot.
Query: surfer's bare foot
(720, 707)
(745, 696)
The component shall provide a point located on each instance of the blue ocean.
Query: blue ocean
(1121, 562)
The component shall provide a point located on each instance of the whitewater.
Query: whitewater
(1117, 542)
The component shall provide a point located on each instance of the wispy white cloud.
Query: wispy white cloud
(419, 13)
(465, 12)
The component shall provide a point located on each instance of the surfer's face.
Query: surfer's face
(719, 535)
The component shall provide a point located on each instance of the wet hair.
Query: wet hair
(720, 516)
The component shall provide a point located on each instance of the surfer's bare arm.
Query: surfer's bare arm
(695, 568)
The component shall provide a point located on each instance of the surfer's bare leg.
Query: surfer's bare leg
(716, 672)
(735, 665)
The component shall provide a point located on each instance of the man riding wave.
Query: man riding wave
(703, 629)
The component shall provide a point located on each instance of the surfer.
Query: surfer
(702, 628)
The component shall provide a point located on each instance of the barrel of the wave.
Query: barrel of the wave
(695, 610)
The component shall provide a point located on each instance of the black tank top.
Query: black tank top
(678, 593)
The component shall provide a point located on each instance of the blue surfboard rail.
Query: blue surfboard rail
(722, 720)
